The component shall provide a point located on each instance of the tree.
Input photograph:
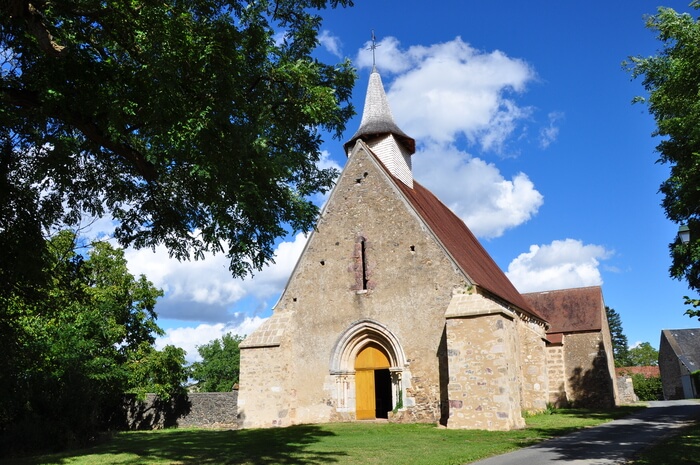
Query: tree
(643, 355)
(191, 123)
(220, 366)
(672, 80)
(72, 350)
(619, 340)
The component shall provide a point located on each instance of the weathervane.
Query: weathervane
(373, 47)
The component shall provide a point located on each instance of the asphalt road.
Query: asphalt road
(608, 444)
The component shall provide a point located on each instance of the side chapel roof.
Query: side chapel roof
(570, 310)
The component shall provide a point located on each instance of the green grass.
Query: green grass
(338, 443)
(683, 448)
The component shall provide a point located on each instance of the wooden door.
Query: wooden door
(366, 401)
(369, 359)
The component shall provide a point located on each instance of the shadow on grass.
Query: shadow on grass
(201, 446)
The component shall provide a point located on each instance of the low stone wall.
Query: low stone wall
(626, 390)
(196, 409)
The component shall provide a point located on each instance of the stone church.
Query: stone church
(394, 309)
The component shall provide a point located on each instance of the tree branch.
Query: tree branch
(30, 100)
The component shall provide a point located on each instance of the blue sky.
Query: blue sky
(523, 118)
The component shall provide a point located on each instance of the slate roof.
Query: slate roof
(570, 310)
(686, 345)
(463, 246)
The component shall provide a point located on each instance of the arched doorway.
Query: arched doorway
(372, 383)
(369, 369)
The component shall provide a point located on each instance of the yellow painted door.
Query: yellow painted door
(364, 389)
(369, 359)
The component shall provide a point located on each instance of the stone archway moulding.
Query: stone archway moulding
(357, 337)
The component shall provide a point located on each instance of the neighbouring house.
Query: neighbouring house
(679, 357)
(395, 310)
(579, 347)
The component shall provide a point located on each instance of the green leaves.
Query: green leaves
(73, 348)
(187, 121)
(220, 366)
(672, 80)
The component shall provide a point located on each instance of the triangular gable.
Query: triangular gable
(686, 345)
(459, 242)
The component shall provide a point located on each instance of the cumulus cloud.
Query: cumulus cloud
(446, 90)
(559, 265)
(549, 133)
(204, 290)
(189, 338)
(330, 42)
(476, 190)
(448, 93)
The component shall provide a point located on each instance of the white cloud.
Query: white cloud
(189, 337)
(204, 290)
(549, 134)
(330, 42)
(559, 265)
(446, 93)
(476, 190)
(450, 89)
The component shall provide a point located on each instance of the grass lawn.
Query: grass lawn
(337, 443)
(683, 448)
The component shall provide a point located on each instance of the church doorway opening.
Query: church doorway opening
(372, 383)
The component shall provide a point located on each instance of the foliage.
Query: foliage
(220, 366)
(195, 124)
(71, 351)
(695, 311)
(619, 340)
(672, 80)
(695, 376)
(647, 388)
(358, 443)
(643, 355)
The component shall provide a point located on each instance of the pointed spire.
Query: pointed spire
(377, 118)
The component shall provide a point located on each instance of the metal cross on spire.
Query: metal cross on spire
(373, 47)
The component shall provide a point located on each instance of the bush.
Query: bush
(695, 376)
(647, 388)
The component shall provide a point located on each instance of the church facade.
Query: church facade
(394, 310)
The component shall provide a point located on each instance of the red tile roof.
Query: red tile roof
(570, 310)
(463, 246)
(648, 371)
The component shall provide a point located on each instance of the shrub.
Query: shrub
(647, 388)
(695, 376)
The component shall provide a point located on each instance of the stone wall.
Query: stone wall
(370, 269)
(484, 375)
(557, 375)
(670, 369)
(625, 388)
(197, 409)
(533, 358)
(589, 382)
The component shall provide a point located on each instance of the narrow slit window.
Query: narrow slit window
(363, 262)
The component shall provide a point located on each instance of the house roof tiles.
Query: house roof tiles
(570, 310)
